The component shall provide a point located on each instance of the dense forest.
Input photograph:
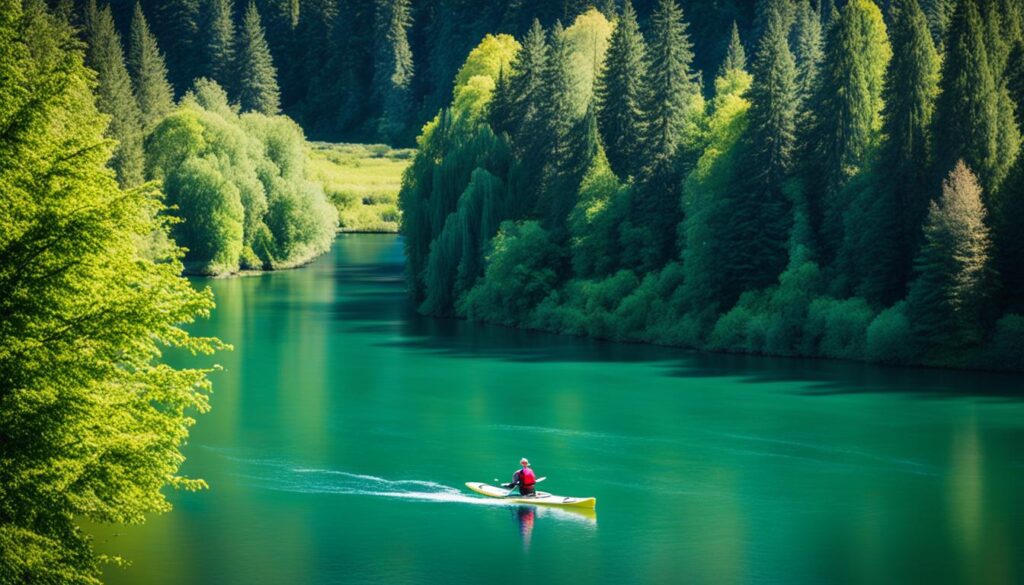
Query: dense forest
(847, 184)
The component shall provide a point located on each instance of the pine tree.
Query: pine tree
(114, 97)
(176, 24)
(735, 56)
(217, 37)
(968, 112)
(393, 67)
(938, 13)
(806, 42)
(148, 73)
(619, 94)
(257, 84)
(910, 92)
(672, 110)
(947, 297)
(525, 85)
(759, 218)
(1015, 79)
(847, 109)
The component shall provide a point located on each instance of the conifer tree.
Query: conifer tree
(938, 13)
(1009, 240)
(759, 218)
(393, 68)
(847, 108)
(672, 112)
(499, 110)
(619, 94)
(968, 112)
(114, 97)
(148, 72)
(952, 269)
(806, 42)
(526, 83)
(1015, 79)
(257, 84)
(910, 92)
(176, 23)
(217, 37)
(551, 139)
(735, 56)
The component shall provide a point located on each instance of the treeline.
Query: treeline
(233, 171)
(853, 189)
(375, 70)
(91, 422)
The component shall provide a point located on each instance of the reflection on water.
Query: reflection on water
(342, 421)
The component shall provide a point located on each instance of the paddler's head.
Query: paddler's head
(524, 462)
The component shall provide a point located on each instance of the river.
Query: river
(344, 427)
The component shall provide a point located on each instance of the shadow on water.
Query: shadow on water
(379, 305)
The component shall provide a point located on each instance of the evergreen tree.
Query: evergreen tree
(1009, 239)
(176, 23)
(758, 227)
(910, 92)
(114, 97)
(968, 112)
(525, 86)
(257, 84)
(806, 43)
(619, 94)
(148, 72)
(1015, 79)
(393, 67)
(499, 111)
(847, 109)
(947, 298)
(735, 56)
(938, 13)
(671, 136)
(217, 36)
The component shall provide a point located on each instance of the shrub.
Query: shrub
(889, 337)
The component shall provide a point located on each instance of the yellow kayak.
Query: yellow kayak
(541, 499)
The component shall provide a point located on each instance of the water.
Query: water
(344, 427)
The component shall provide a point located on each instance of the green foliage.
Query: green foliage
(148, 72)
(518, 276)
(393, 68)
(890, 339)
(586, 42)
(114, 97)
(362, 181)
(848, 108)
(91, 422)
(601, 205)
(240, 186)
(257, 83)
(947, 297)
(970, 115)
(673, 109)
(735, 56)
(619, 93)
(217, 31)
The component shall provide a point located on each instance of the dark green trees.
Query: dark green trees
(114, 96)
(672, 111)
(257, 84)
(620, 94)
(905, 173)
(177, 26)
(847, 110)
(217, 37)
(760, 218)
(393, 68)
(967, 115)
(947, 297)
(148, 72)
(735, 56)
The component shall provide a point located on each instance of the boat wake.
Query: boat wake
(284, 476)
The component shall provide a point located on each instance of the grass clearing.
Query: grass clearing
(362, 180)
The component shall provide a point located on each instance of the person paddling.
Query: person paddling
(525, 478)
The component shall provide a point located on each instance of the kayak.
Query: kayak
(542, 498)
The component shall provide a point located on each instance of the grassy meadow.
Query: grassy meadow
(362, 181)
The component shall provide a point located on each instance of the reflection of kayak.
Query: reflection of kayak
(541, 499)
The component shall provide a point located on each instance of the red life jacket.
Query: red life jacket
(527, 477)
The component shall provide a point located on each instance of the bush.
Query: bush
(840, 327)
(890, 339)
(1006, 351)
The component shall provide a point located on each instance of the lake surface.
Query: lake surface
(344, 426)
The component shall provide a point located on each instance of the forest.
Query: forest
(848, 184)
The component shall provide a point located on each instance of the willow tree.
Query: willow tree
(91, 422)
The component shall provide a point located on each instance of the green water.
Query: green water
(344, 427)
